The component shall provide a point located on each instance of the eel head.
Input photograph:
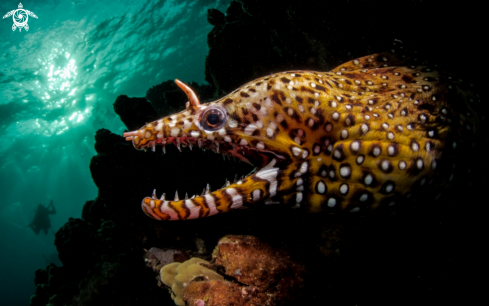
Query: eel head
(245, 124)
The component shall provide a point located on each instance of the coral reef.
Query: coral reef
(426, 254)
(254, 274)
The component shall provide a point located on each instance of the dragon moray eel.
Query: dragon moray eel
(367, 135)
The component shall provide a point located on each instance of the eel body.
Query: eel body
(365, 136)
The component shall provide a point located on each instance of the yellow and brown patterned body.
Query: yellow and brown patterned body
(364, 136)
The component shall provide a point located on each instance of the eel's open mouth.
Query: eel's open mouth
(248, 161)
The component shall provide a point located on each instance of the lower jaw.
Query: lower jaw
(254, 188)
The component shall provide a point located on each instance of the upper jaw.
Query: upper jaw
(182, 130)
(149, 136)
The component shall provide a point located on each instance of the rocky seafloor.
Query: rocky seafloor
(429, 255)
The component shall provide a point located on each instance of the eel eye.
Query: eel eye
(213, 118)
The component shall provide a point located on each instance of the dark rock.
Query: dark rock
(166, 98)
(86, 210)
(121, 281)
(111, 176)
(95, 213)
(253, 8)
(134, 112)
(40, 297)
(41, 277)
(49, 282)
(215, 17)
(235, 12)
(75, 242)
(106, 141)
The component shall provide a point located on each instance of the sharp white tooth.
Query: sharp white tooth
(207, 189)
(190, 146)
(154, 194)
(163, 197)
(203, 192)
(176, 196)
(164, 149)
(235, 179)
(193, 196)
(177, 140)
(186, 196)
(227, 183)
(153, 146)
(217, 146)
(199, 142)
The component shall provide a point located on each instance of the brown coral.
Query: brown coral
(255, 263)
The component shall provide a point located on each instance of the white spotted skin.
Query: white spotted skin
(332, 140)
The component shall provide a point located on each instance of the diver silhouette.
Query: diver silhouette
(41, 219)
